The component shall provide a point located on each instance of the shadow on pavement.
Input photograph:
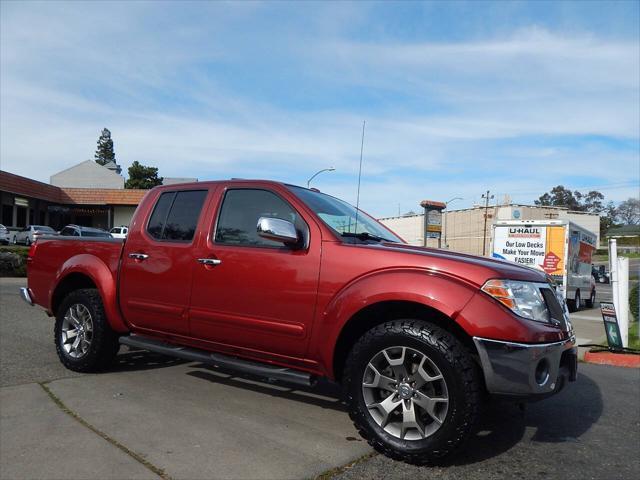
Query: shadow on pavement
(129, 360)
(324, 394)
(561, 418)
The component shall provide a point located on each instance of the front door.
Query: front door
(255, 293)
(158, 262)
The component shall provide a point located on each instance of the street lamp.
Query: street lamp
(444, 219)
(330, 169)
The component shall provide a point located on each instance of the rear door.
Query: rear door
(258, 294)
(158, 261)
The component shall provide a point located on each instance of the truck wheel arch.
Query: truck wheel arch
(87, 271)
(378, 313)
(383, 296)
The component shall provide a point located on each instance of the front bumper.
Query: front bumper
(527, 370)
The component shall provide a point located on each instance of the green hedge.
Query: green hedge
(14, 262)
(634, 301)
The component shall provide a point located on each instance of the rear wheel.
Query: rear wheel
(84, 339)
(575, 304)
(412, 390)
(592, 299)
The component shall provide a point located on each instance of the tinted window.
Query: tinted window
(241, 209)
(93, 233)
(175, 216)
(159, 215)
(66, 231)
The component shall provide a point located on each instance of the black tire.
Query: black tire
(457, 368)
(27, 241)
(575, 304)
(103, 345)
(592, 299)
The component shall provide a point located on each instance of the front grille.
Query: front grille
(555, 309)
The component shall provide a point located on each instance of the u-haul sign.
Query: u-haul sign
(525, 245)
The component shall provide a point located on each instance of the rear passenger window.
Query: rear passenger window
(175, 216)
(241, 209)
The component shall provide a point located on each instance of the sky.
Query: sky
(458, 97)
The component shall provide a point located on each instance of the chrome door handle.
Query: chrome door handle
(138, 256)
(209, 261)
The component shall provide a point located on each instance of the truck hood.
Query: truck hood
(470, 267)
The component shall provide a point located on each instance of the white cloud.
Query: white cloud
(453, 118)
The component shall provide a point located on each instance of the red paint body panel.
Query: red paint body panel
(282, 306)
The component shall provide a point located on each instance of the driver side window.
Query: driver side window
(239, 214)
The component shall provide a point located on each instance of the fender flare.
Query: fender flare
(448, 295)
(104, 280)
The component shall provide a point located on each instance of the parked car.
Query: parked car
(4, 235)
(78, 231)
(119, 232)
(292, 284)
(30, 234)
(600, 273)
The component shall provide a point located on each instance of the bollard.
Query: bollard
(623, 299)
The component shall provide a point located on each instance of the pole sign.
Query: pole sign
(432, 219)
(611, 327)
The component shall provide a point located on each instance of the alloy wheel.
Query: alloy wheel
(77, 331)
(405, 393)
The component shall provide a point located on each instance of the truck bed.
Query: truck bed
(51, 259)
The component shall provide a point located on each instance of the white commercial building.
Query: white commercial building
(463, 230)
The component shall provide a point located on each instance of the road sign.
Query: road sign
(614, 339)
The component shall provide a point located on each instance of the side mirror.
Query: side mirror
(277, 230)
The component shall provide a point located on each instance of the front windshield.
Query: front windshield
(341, 217)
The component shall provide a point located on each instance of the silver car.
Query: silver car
(4, 235)
(30, 234)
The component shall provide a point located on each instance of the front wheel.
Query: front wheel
(413, 390)
(84, 339)
(27, 241)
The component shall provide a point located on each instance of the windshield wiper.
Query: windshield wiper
(365, 236)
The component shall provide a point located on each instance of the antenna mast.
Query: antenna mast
(359, 177)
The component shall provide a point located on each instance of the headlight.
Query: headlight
(522, 298)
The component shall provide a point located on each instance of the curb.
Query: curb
(615, 359)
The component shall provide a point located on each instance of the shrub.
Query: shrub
(13, 261)
(634, 301)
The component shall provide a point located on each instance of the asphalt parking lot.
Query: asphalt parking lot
(156, 417)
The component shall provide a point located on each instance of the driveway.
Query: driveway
(156, 417)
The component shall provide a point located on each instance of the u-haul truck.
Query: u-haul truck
(560, 248)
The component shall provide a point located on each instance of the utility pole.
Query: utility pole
(486, 197)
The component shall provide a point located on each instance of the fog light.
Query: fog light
(542, 372)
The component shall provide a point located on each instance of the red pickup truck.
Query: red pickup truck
(292, 284)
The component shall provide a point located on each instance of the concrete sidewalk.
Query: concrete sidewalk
(589, 328)
(181, 422)
(39, 440)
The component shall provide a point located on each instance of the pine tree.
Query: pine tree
(104, 152)
(142, 178)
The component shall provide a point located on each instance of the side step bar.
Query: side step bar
(245, 366)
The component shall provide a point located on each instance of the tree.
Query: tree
(629, 212)
(104, 152)
(608, 217)
(592, 202)
(560, 197)
(142, 178)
